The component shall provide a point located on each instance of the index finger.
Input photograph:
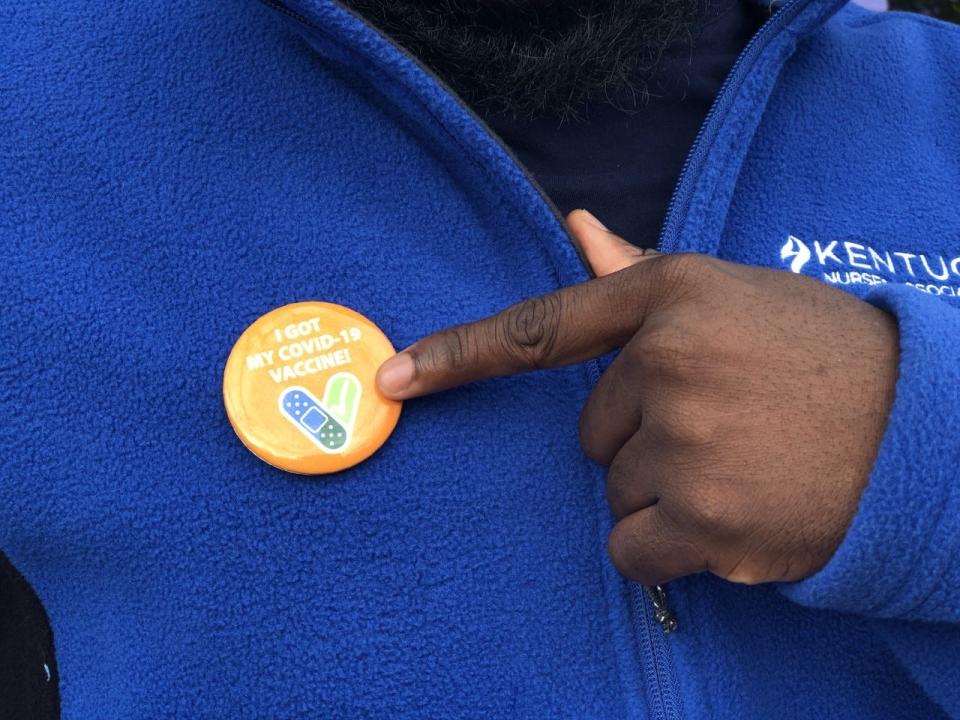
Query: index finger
(565, 327)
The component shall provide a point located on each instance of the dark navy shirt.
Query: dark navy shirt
(623, 165)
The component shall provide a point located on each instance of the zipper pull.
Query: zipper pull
(661, 611)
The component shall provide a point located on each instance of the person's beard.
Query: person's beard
(533, 58)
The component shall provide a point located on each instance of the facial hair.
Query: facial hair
(538, 58)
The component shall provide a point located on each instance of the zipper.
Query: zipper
(662, 614)
(667, 703)
(683, 193)
(679, 205)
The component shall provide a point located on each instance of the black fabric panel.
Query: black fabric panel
(26, 652)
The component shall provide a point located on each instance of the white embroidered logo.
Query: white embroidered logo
(846, 262)
(795, 248)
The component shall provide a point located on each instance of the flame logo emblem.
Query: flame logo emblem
(795, 248)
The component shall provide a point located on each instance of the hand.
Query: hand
(740, 421)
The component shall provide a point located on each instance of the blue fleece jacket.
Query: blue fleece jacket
(171, 171)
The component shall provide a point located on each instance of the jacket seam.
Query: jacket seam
(900, 16)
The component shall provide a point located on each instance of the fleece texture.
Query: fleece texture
(171, 171)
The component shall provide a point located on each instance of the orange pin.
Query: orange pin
(300, 391)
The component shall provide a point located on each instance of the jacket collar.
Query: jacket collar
(697, 213)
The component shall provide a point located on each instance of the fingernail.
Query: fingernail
(396, 374)
(592, 220)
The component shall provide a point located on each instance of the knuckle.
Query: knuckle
(711, 510)
(687, 276)
(693, 427)
(529, 329)
(618, 484)
(450, 351)
(635, 353)
(619, 548)
(667, 351)
(590, 440)
(745, 575)
(678, 270)
(455, 344)
(745, 570)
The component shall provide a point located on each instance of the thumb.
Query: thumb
(605, 252)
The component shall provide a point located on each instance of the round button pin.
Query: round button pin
(300, 391)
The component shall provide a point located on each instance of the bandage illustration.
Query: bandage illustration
(341, 397)
(328, 424)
